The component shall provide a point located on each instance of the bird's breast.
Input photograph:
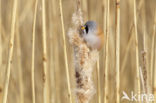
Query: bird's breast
(92, 40)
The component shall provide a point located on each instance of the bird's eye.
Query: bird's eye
(86, 29)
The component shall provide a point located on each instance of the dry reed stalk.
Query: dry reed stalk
(106, 72)
(0, 37)
(1, 51)
(152, 50)
(98, 81)
(45, 69)
(65, 53)
(33, 54)
(105, 16)
(19, 60)
(154, 88)
(107, 3)
(145, 69)
(131, 37)
(144, 72)
(136, 48)
(118, 51)
(11, 46)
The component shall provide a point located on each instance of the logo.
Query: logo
(133, 97)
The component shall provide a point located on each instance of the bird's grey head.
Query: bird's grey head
(90, 26)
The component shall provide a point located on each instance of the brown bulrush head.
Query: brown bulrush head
(84, 60)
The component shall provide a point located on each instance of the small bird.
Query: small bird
(92, 35)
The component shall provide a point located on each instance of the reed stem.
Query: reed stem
(152, 50)
(45, 69)
(65, 53)
(154, 89)
(11, 47)
(107, 25)
(136, 48)
(118, 51)
(0, 37)
(33, 54)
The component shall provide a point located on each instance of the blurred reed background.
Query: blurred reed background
(32, 50)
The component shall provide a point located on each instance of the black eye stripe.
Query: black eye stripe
(86, 28)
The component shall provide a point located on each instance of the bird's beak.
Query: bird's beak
(82, 27)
